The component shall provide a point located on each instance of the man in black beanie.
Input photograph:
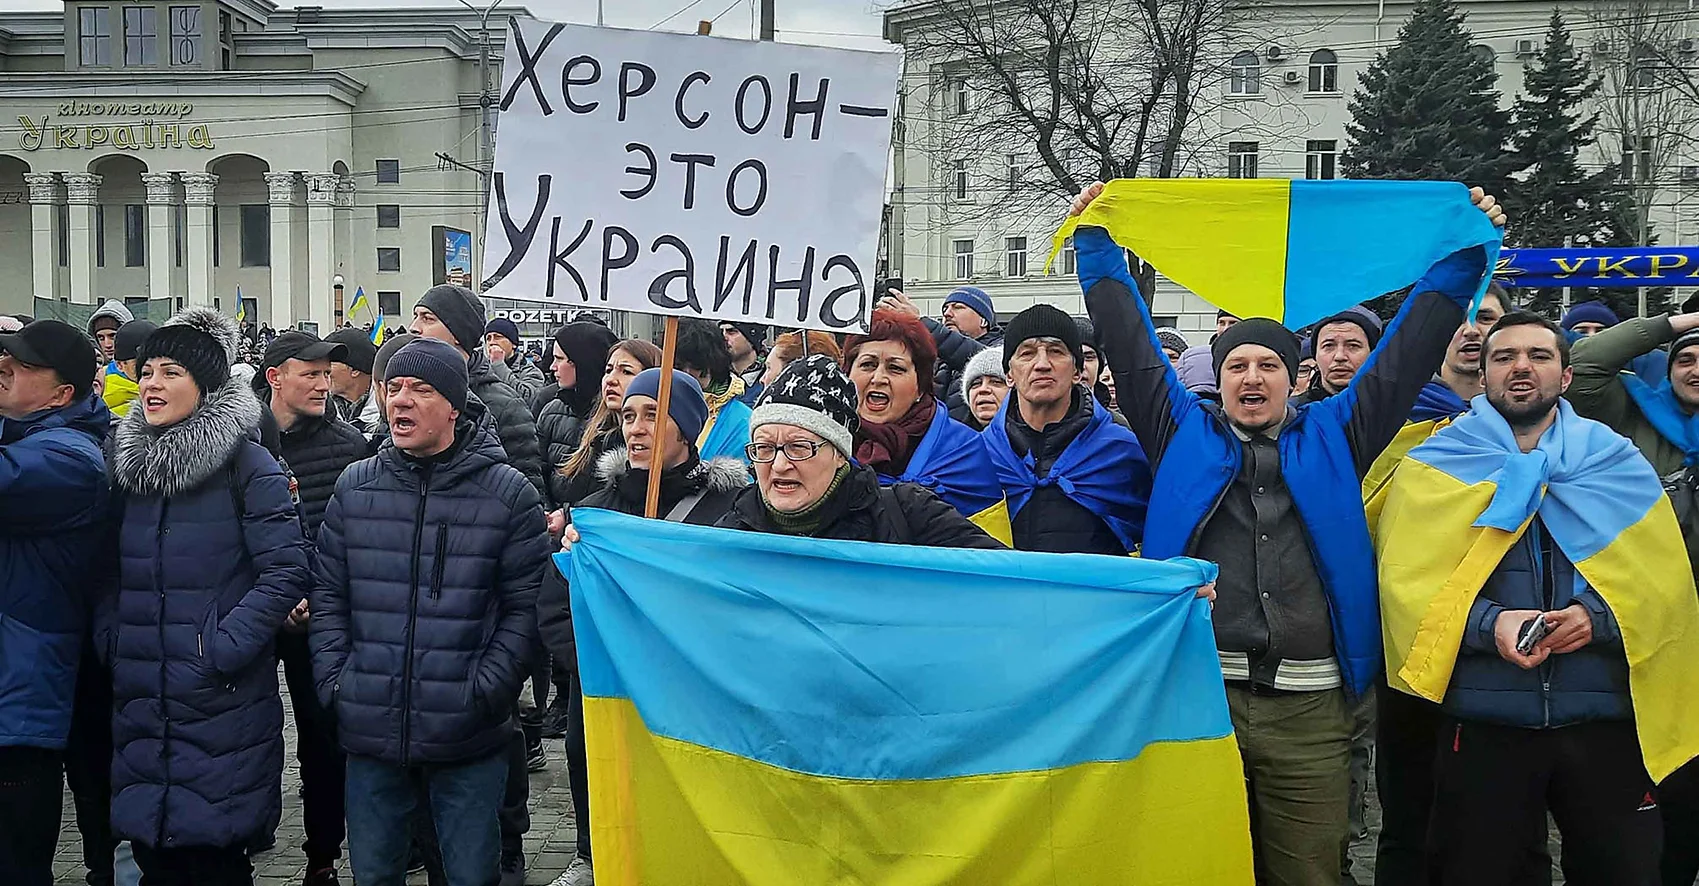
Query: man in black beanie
(748, 345)
(1273, 493)
(1076, 481)
(455, 315)
(1341, 345)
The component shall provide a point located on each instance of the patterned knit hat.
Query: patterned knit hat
(815, 395)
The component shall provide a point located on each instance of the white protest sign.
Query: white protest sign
(696, 176)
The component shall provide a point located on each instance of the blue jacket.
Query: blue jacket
(1325, 447)
(425, 609)
(951, 461)
(1588, 684)
(211, 561)
(53, 503)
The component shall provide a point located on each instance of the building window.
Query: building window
(389, 258)
(185, 35)
(389, 304)
(1485, 53)
(1015, 169)
(389, 215)
(1070, 258)
(1324, 71)
(1643, 68)
(179, 231)
(1321, 159)
(141, 35)
(958, 179)
(100, 235)
(256, 235)
(1241, 159)
(217, 238)
(1637, 160)
(389, 172)
(956, 96)
(1246, 74)
(63, 211)
(1015, 248)
(94, 36)
(964, 258)
(135, 235)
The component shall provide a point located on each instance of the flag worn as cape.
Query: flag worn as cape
(1435, 408)
(952, 462)
(1296, 251)
(1103, 470)
(727, 431)
(1460, 500)
(766, 710)
(1659, 406)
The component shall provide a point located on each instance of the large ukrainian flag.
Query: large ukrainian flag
(1296, 251)
(763, 709)
(1457, 503)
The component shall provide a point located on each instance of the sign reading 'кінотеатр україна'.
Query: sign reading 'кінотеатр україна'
(672, 174)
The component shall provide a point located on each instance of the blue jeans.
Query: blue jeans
(464, 801)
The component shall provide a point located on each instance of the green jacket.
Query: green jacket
(1597, 391)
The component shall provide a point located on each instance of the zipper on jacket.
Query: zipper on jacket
(412, 616)
(1543, 555)
(437, 561)
(160, 532)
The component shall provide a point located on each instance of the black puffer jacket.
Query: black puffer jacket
(318, 450)
(560, 428)
(862, 510)
(954, 350)
(718, 480)
(569, 491)
(425, 608)
(514, 427)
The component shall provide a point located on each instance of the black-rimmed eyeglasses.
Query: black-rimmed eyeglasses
(796, 450)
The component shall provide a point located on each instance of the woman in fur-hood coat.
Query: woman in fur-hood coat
(211, 563)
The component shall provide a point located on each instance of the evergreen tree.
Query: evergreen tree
(1552, 200)
(1428, 108)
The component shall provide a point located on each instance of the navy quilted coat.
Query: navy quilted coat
(425, 609)
(198, 728)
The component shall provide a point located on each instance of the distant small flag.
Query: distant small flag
(359, 302)
(377, 331)
(241, 308)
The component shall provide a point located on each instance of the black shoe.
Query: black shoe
(415, 861)
(536, 758)
(321, 877)
(554, 720)
(512, 869)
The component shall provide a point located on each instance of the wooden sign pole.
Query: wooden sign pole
(669, 350)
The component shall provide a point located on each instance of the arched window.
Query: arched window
(1246, 76)
(1324, 71)
(1485, 53)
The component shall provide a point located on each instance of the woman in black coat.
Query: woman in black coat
(807, 482)
(211, 563)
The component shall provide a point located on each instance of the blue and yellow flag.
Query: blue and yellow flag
(764, 710)
(360, 302)
(1457, 503)
(241, 307)
(377, 331)
(1296, 251)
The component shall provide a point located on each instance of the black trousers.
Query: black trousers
(577, 764)
(1495, 784)
(29, 814)
(323, 766)
(1678, 798)
(194, 866)
(1405, 737)
(515, 812)
(88, 766)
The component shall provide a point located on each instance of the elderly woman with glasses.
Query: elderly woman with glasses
(807, 482)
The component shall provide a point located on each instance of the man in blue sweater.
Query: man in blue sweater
(53, 499)
(1253, 484)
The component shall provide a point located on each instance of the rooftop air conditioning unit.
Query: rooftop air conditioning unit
(1274, 52)
(1294, 78)
(1690, 175)
(1527, 47)
(1687, 46)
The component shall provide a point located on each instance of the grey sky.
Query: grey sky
(830, 22)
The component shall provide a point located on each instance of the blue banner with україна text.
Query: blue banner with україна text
(1629, 267)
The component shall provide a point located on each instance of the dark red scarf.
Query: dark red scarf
(887, 447)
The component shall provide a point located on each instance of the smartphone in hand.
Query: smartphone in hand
(1533, 631)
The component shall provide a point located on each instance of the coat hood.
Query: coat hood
(110, 308)
(168, 461)
(719, 474)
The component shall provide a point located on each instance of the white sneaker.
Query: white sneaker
(579, 873)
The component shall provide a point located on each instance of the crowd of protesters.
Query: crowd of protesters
(184, 507)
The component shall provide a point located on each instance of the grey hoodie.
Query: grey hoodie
(110, 308)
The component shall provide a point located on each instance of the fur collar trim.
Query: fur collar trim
(721, 474)
(169, 461)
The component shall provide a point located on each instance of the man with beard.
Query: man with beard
(1516, 520)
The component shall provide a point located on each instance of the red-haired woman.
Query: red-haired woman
(906, 434)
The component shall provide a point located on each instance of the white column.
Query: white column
(44, 239)
(198, 195)
(321, 247)
(161, 193)
(82, 191)
(280, 313)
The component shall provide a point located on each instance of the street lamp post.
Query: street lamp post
(486, 124)
(336, 305)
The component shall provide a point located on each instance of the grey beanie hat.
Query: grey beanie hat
(984, 363)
